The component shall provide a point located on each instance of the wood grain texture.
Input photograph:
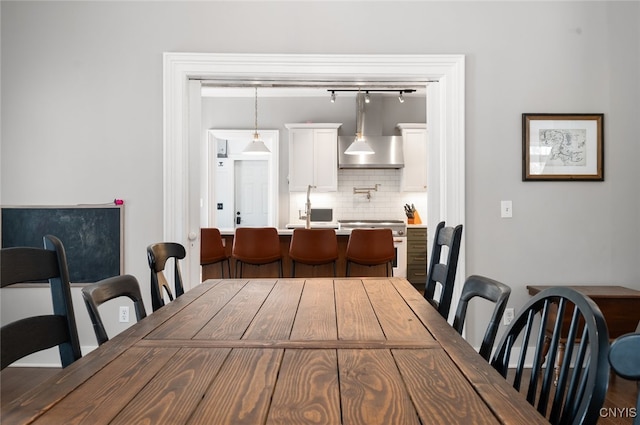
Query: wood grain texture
(274, 320)
(399, 322)
(430, 375)
(354, 314)
(41, 398)
(174, 393)
(186, 323)
(497, 393)
(371, 389)
(100, 399)
(234, 318)
(242, 390)
(316, 316)
(307, 391)
(295, 343)
(337, 351)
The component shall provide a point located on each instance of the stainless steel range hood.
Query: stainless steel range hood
(388, 149)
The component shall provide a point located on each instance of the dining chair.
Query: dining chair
(579, 393)
(107, 289)
(28, 265)
(256, 246)
(443, 266)
(491, 290)
(158, 254)
(624, 357)
(313, 247)
(212, 250)
(371, 247)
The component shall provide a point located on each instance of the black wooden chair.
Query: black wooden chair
(624, 357)
(158, 254)
(443, 267)
(580, 391)
(32, 334)
(107, 289)
(491, 290)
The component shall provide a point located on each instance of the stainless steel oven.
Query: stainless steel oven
(400, 262)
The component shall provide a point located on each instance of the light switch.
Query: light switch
(506, 209)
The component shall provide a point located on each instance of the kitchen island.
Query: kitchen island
(302, 270)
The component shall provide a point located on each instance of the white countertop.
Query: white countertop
(286, 232)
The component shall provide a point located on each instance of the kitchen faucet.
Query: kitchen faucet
(307, 207)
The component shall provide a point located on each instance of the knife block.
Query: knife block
(415, 220)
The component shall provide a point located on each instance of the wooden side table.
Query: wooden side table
(620, 307)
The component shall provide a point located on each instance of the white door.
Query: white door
(251, 193)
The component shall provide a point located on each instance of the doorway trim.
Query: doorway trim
(445, 114)
(208, 192)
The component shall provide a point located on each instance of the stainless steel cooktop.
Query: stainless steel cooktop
(399, 227)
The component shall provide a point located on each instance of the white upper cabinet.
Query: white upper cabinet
(313, 156)
(414, 173)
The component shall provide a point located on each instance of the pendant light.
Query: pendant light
(257, 146)
(359, 146)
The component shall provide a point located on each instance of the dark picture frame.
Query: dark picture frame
(559, 147)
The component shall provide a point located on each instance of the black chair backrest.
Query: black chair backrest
(624, 357)
(441, 272)
(107, 289)
(489, 289)
(158, 254)
(32, 334)
(578, 394)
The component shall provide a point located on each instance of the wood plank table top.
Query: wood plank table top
(282, 351)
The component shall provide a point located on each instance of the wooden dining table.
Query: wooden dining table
(282, 351)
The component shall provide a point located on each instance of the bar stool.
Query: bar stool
(212, 251)
(256, 246)
(313, 247)
(371, 247)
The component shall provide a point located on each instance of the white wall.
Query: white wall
(82, 112)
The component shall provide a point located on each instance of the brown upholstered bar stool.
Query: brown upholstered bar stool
(256, 246)
(371, 247)
(212, 250)
(313, 247)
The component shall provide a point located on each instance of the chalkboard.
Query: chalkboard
(92, 236)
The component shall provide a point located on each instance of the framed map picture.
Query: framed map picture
(562, 147)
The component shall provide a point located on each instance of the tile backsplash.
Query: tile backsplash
(384, 203)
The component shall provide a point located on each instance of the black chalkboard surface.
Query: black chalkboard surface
(92, 236)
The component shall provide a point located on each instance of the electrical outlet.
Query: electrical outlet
(508, 316)
(124, 314)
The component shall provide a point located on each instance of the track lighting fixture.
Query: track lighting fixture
(367, 93)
